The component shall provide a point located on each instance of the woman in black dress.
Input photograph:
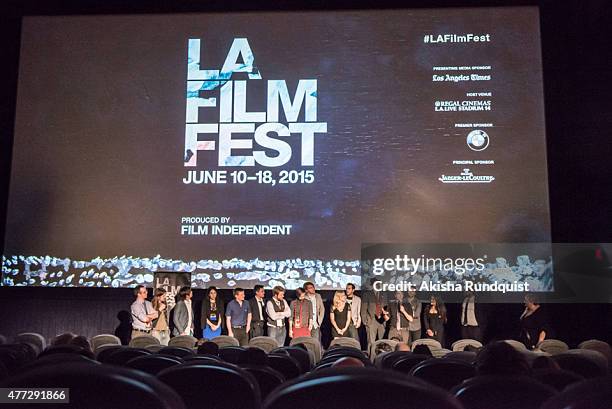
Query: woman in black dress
(534, 325)
(339, 315)
(435, 319)
(213, 314)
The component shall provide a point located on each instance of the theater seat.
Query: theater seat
(407, 363)
(502, 392)
(431, 343)
(213, 387)
(346, 343)
(519, 346)
(384, 345)
(389, 359)
(104, 352)
(14, 356)
(57, 359)
(267, 378)
(331, 358)
(102, 347)
(225, 341)
(231, 354)
(266, 343)
(285, 364)
(440, 353)
(599, 346)
(444, 373)
(312, 344)
(323, 365)
(465, 356)
(462, 343)
(596, 357)
(344, 351)
(153, 364)
(557, 378)
(589, 394)
(99, 387)
(253, 356)
(104, 339)
(553, 346)
(123, 355)
(302, 356)
(67, 349)
(201, 358)
(221, 364)
(580, 364)
(358, 387)
(154, 348)
(38, 342)
(185, 341)
(143, 341)
(181, 352)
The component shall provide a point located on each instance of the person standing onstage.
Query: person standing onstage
(414, 327)
(278, 310)
(213, 314)
(143, 313)
(340, 315)
(318, 309)
(435, 319)
(534, 324)
(355, 303)
(238, 317)
(183, 313)
(258, 310)
(160, 325)
(300, 322)
(400, 318)
(470, 328)
(372, 317)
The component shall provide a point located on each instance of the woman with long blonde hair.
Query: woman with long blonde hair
(340, 315)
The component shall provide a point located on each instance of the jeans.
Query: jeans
(278, 333)
(162, 336)
(375, 330)
(257, 329)
(316, 333)
(413, 336)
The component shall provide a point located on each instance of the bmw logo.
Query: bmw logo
(478, 140)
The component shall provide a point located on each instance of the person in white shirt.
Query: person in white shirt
(318, 309)
(278, 311)
(470, 327)
(258, 312)
(143, 313)
(183, 313)
(355, 303)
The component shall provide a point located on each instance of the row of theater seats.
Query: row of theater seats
(501, 375)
